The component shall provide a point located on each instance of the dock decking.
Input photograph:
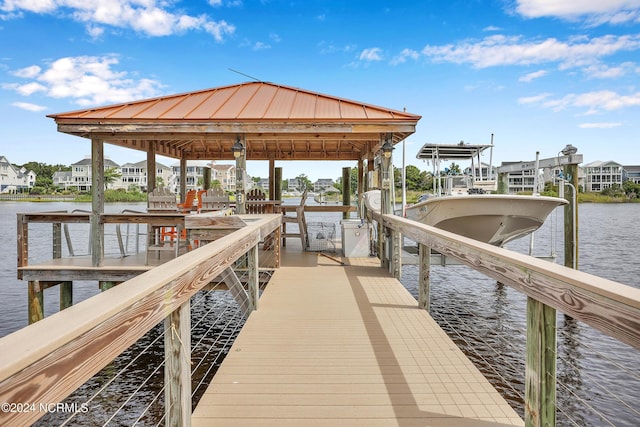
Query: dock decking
(346, 345)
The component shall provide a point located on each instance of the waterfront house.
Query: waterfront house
(14, 179)
(79, 178)
(322, 184)
(601, 175)
(631, 173)
(225, 174)
(135, 174)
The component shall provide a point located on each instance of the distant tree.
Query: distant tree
(159, 181)
(43, 170)
(111, 175)
(614, 191)
(631, 189)
(416, 179)
(304, 181)
(216, 183)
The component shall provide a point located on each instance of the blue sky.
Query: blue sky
(538, 74)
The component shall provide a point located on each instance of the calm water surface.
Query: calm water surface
(486, 319)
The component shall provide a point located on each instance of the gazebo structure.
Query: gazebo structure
(248, 121)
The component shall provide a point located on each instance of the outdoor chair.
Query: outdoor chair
(215, 199)
(297, 218)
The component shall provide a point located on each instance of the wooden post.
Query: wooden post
(503, 183)
(66, 295)
(277, 236)
(386, 203)
(241, 162)
(272, 179)
(277, 176)
(360, 185)
(151, 167)
(396, 260)
(105, 285)
(253, 284)
(540, 371)
(571, 218)
(97, 202)
(346, 190)
(57, 240)
(183, 179)
(177, 370)
(206, 178)
(424, 258)
(35, 298)
(66, 288)
(23, 242)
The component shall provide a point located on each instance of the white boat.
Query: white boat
(464, 206)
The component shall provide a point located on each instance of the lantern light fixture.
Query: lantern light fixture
(237, 148)
(387, 149)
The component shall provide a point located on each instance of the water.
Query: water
(486, 319)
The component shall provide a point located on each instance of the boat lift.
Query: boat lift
(567, 158)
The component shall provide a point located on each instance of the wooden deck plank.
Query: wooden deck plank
(346, 345)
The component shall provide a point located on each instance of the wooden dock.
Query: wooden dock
(346, 345)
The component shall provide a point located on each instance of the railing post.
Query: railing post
(35, 297)
(424, 258)
(66, 288)
(177, 368)
(396, 253)
(252, 277)
(540, 371)
(23, 243)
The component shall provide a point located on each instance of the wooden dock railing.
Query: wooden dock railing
(608, 306)
(43, 363)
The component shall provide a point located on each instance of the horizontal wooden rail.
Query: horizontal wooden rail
(48, 360)
(608, 306)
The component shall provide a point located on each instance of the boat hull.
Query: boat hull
(491, 218)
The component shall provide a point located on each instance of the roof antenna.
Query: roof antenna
(246, 75)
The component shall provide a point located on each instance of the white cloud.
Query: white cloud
(595, 12)
(532, 76)
(599, 125)
(30, 88)
(27, 72)
(500, 50)
(260, 46)
(594, 102)
(37, 6)
(534, 99)
(151, 17)
(602, 71)
(404, 55)
(371, 54)
(29, 107)
(87, 80)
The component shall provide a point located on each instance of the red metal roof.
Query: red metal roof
(273, 121)
(246, 101)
